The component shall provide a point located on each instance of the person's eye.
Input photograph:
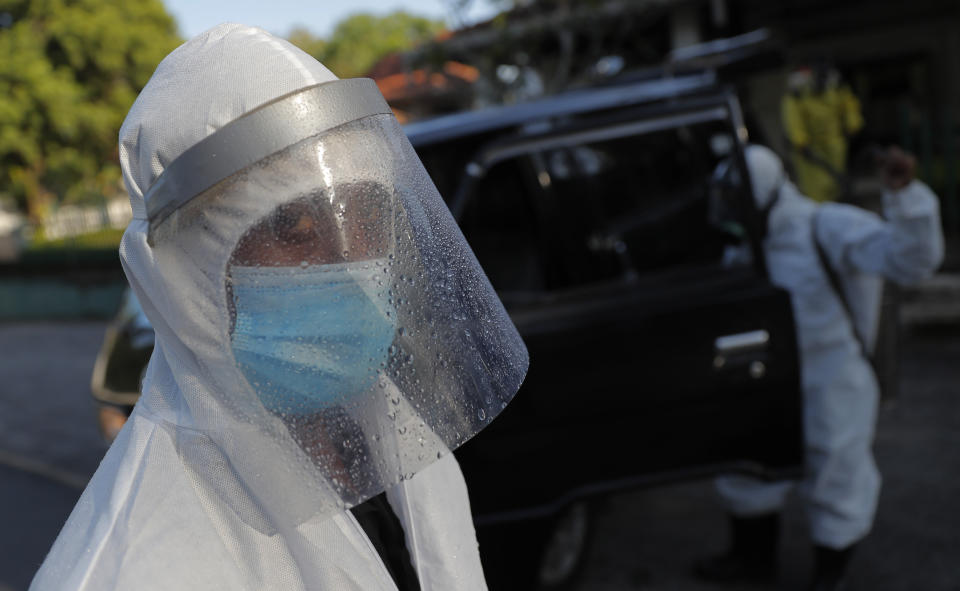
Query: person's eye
(295, 227)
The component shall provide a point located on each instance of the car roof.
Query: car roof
(448, 127)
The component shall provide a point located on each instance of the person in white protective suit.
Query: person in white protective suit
(841, 484)
(324, 335)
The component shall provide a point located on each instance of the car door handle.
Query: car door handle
(744, 342)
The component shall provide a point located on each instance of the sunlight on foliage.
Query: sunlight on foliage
(70, 72)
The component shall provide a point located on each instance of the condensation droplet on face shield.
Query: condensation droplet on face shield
(425, 394)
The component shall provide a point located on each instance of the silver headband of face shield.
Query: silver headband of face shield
(258, 134)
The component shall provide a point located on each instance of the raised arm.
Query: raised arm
(906, 247)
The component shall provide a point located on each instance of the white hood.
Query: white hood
(199, 88)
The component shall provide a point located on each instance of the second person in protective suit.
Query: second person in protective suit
(805, 245)
(819, 116)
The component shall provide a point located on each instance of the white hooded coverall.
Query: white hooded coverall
(165, 510)
(840, 390)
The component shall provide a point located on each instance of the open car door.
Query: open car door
(658, 347)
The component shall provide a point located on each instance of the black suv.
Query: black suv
(658, 347)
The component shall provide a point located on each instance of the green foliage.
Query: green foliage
(305, 40)
(105, 239)
(70, 72)
(359, 41)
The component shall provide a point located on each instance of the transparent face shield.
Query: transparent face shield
(350, 320)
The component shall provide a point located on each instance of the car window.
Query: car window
(603, 211)
(500, 224)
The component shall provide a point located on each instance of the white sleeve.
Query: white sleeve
(434, 509)
(906, 247)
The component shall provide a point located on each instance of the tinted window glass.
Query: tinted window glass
(632, 205)
(499, 223)
(603, 211)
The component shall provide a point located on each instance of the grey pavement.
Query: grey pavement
(47, 416)
(32, 511)
(49, 443)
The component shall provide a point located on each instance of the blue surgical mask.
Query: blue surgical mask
(310, 338)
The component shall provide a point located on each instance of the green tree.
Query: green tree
(71, 70)
(359, 41)
(306, 41)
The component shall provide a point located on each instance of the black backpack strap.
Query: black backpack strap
(835, 280)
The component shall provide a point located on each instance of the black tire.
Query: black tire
(547, 553)
(565, 551)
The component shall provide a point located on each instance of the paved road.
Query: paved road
(32, 511)
(644, 540)
(49, 444)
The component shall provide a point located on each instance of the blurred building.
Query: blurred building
(414, 93)
(11, 225)
(901, 59)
